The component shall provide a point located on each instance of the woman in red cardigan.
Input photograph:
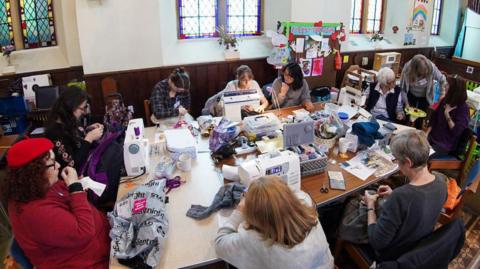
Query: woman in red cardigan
(52, 220)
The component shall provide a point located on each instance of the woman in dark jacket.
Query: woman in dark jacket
(450, 119)
(71, 140)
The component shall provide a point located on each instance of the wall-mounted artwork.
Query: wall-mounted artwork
(420, 15)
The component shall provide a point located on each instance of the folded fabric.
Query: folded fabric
(227, 197)
(367, 132)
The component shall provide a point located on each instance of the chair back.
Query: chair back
(148, 113)
(109, 86)
(45, 96)
(434, 251)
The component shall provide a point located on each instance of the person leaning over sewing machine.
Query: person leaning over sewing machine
(64, 128)
(272, 228)
(291, 89)
(244, 81)
(52, 220)
(171, 97)
(450, 119)
(384, 100)
(417, 83)
(411, 211)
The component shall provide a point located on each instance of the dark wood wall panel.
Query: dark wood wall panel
(58, 76)
(206, 80)
(454, 67)
(209, 78)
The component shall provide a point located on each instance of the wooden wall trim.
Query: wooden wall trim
(454, 67)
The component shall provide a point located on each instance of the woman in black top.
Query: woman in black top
(411, 211)
(71, 141)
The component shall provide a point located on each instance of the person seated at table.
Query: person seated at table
(450, 119)
(411, 211)
(291, 89)
(52, 220)
(384, 101)
(171, 97)
(244, 81)
(64, 128)
(417, 83)
(272, 228)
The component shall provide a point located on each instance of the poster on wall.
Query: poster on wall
(420, 15)
(317, 66)
(306, 65)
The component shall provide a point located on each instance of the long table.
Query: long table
(190, 242)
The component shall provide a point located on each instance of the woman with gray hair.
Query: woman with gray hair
(417, 83)
(411, 211)
(384, 101)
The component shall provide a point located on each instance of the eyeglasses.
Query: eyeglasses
(51, 165)
(83, 108)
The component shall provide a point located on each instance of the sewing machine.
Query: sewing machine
(136, 149)
(284, 164)
(349, 94)
(233, 101)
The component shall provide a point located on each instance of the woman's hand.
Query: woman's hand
(260, 109)
(384, 190)
(309, 106)
(182, 111)
(94, 134)
(448, 108)
(400, 116)
(370, 199)
(95, 125)
(69, 175)
(284, 89)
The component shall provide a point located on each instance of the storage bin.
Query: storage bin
(13, 106)
(13, 124)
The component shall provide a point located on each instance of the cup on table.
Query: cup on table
(184, 162)
(343, 145)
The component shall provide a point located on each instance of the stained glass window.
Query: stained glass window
(6, 30)
(197, 18)
(243, 17)
(357, 9)
(437, 13)
(374, 20)
(38, 27)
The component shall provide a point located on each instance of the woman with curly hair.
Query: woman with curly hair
(272, 228)
(72, 141)
(52, 220)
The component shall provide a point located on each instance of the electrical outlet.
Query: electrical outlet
(364, 60)
(470, 69)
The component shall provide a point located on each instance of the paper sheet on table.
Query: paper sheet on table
(96, 187)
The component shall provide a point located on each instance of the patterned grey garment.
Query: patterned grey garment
(139, 223)
(293, 97)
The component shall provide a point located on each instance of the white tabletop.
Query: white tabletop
(189, 241)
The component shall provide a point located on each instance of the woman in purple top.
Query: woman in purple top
(450, 119)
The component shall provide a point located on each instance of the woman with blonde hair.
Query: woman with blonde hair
(272, 228)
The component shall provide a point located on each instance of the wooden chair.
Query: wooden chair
(148, 113)
(109, 86)
(467, 172)
(354, 251)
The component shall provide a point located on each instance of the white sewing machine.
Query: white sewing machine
(136, 149)
(234, 100)
(285, 164)
(349, 94)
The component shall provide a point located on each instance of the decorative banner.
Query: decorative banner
(420, 15)
(309, 30)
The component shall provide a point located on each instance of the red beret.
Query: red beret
(27, 150)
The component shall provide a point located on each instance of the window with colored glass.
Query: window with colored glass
(6, 29)
(243, 17)
(38, 26)
(197, 18)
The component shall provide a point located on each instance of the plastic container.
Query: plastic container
(13, 106)
(13, 124)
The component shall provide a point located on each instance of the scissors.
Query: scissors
(173, 183)
(324, 189)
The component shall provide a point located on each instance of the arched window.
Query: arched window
(38, 26)
(6, 29)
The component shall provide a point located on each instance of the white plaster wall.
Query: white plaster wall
(119, 35)
(177, 52)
